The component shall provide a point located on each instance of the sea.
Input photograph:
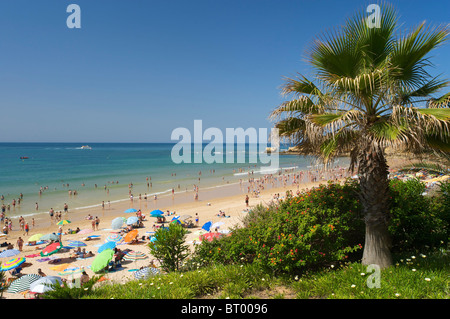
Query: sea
(48, 174)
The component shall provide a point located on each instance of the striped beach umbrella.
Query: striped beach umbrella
(64, 222)
(9, 253)
(135, 255)
(76, 243)
(114, 237)
(23, 283)
(12, 263)
(146, 272)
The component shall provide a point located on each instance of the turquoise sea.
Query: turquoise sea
(57, 168)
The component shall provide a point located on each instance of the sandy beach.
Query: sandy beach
(229, 198)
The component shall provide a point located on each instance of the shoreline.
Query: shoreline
(230, 198)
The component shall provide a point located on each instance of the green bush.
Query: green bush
(170, 247)
(316, 228)
(417, 221)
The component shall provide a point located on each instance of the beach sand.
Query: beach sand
(229, 198)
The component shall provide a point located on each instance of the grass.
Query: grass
(412, 277)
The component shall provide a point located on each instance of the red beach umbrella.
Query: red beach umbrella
(210, 236)
(51, 249)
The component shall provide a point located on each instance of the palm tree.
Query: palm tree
(371, 91)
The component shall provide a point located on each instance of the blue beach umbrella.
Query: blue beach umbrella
(9, 253)
(156, 213)
(130, 210)
(76, 243)
(108, 245)
(132, 220)
(207, 226)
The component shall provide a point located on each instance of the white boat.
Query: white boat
(86, 147)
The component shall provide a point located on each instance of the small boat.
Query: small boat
(86, 147)
(24, 157)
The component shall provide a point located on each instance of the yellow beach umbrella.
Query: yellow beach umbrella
(64, 222)
(35, 237)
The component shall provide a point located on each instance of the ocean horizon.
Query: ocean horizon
(47, 172)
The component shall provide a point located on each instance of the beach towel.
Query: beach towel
(32, 256)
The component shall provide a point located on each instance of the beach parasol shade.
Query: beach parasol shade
(132, 220)
(85, 231)
(184, 217)
(23, 283)
(207, 226)
(130, 236)
(51, 249)
(102, 260)
(64, 222)
(51, 236)
(108, 245)
(12, 263)
(45, 284)
(76, 243)
(9, 253)
(71, 271)
(146, 272)
(130, 210)
(135, 255)
(210, 236)
(114, 237)
(35, 237)
(117, 223)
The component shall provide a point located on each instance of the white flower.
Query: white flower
(170, 283)
(332, 266)
(427, 279)
(296, 277)
(413, 269)
(397, 295)
(353, 286)
(363, 274)
(413, 257)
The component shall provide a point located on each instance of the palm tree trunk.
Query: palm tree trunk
(374, 190)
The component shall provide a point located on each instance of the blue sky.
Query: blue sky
(138, 69)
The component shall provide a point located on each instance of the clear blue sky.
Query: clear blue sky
(138, 69)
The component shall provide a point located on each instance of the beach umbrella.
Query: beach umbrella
(216, 225)
(12, 263)
(51, 249)
(156, 213)
(130, 210)
(130, 236)
(184, 217)
(114, 237)
(102, 260)
(117, 223)
(71, 271)
(23, 283)
(210, 236)
(64, 222)
(177, 221)
(35, 237)
(9, 253)
(132, 220)
(146, 272)
(45, 284)
(108, 245)
(207, 226)
(51, 236)
(76, 243)
(85, 231)
(135, 255)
